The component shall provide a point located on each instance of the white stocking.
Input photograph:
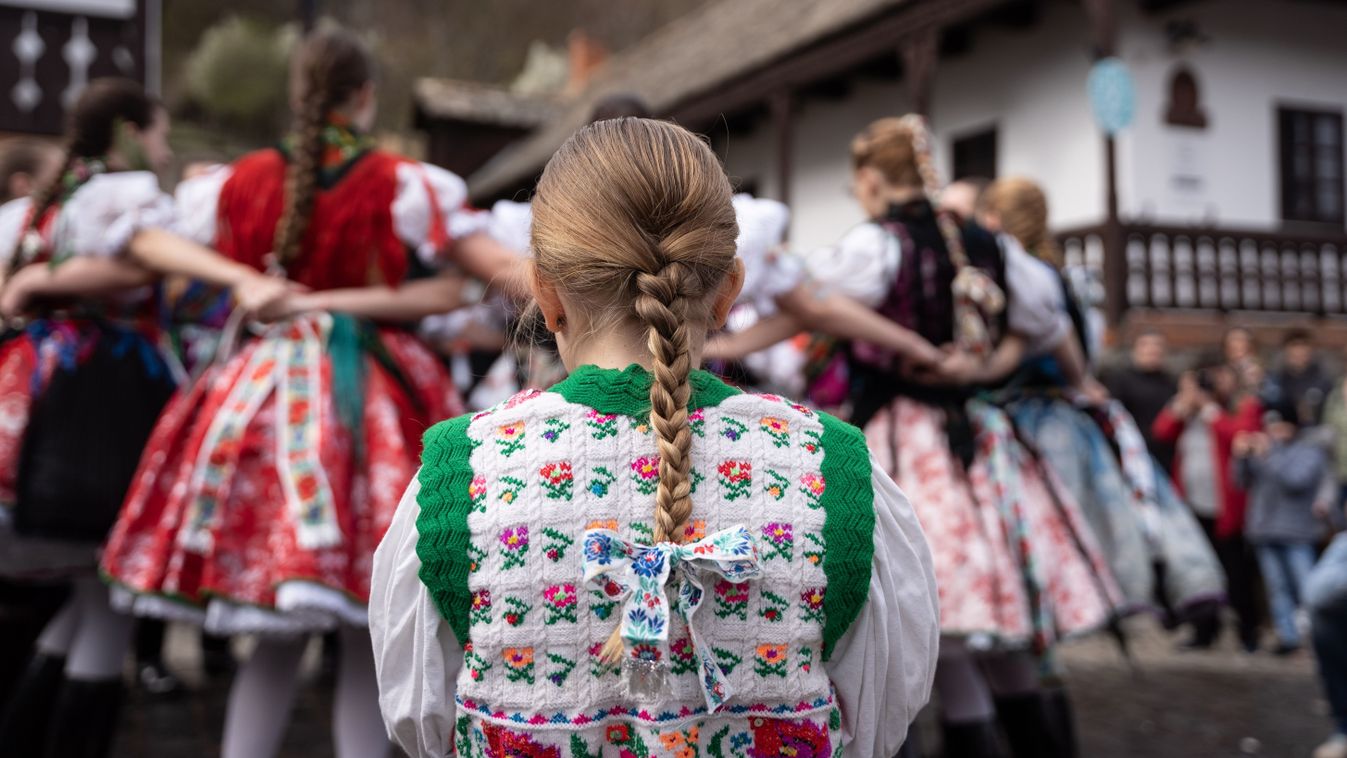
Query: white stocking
(101, 636)
(262, 697)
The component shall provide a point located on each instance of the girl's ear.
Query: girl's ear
(549, 302)
(728, 292)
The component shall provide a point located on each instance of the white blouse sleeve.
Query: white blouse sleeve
(414, 212)
(416, 656)
(1036, 308)
(102, 216)
(768, 270)
(862, 265)
(883, 667)
(13, 216)
(511, 224)
(197, 203)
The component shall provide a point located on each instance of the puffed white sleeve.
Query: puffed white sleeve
(769, 271)
(197, 203)
(416, 656)
(102, 216)
(430, 209)
(1036, 306)
(882, 668)
(13, 216)
(862, 265)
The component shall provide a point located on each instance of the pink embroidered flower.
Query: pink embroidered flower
(778, 533)
(561, 603)
(515, 541)
(560, 595)
(645, 472)
(814, 485)
(477, 489)
(646, 467)
(481, 600)
(775, 425)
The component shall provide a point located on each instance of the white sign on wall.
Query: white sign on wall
(97, 8)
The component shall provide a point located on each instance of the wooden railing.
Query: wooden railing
(1170, 267)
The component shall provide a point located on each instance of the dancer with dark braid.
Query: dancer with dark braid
(268, 483)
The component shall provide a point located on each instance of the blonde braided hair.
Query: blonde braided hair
(633, 220)
(1023, 210)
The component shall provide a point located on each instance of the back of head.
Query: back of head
(328, 69)
(620, 105)
(91, 131)
(633, 223)
(1022, 208)
(25, 159)
(888, 145)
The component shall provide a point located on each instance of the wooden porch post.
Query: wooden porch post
(1104, 36)
(783, 117)
(919, 52)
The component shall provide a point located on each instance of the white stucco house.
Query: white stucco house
(1228, 183)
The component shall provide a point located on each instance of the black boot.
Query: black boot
(23, 726)
(1061, 722)
(1025, 721)
(85, 719)
(975, 739)
(912, 747)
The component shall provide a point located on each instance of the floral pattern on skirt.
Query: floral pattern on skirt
(1015, 562)
(251, 561)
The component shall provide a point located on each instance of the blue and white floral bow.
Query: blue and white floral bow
(620, 569)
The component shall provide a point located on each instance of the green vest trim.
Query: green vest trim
(442, 524)
(849, 528)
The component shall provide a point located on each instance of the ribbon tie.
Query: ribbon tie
(622, 569)
(286, 369)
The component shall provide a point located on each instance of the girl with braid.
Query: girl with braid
(1091, 443)
(84, 373)
(642, 560)
(268, 483)
(1016, 563)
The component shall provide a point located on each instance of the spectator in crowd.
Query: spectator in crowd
(1144, 386)
(1300, 381)
(1202, 421)
(1287, 474)
(1241, 355)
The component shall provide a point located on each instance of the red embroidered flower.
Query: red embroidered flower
(735, 472)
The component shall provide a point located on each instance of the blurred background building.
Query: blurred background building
(1220, 199)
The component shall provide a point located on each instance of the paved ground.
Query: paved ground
(1201, 705)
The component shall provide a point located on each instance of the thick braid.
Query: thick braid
(662, 305)
(301, 176)
(41, 201)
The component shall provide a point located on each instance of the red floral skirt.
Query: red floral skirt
(256, 508)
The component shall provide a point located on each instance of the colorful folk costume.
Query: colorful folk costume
(81, 385)
(797, 618)
(268, 483)
(1097, 452)
(1015, 562)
